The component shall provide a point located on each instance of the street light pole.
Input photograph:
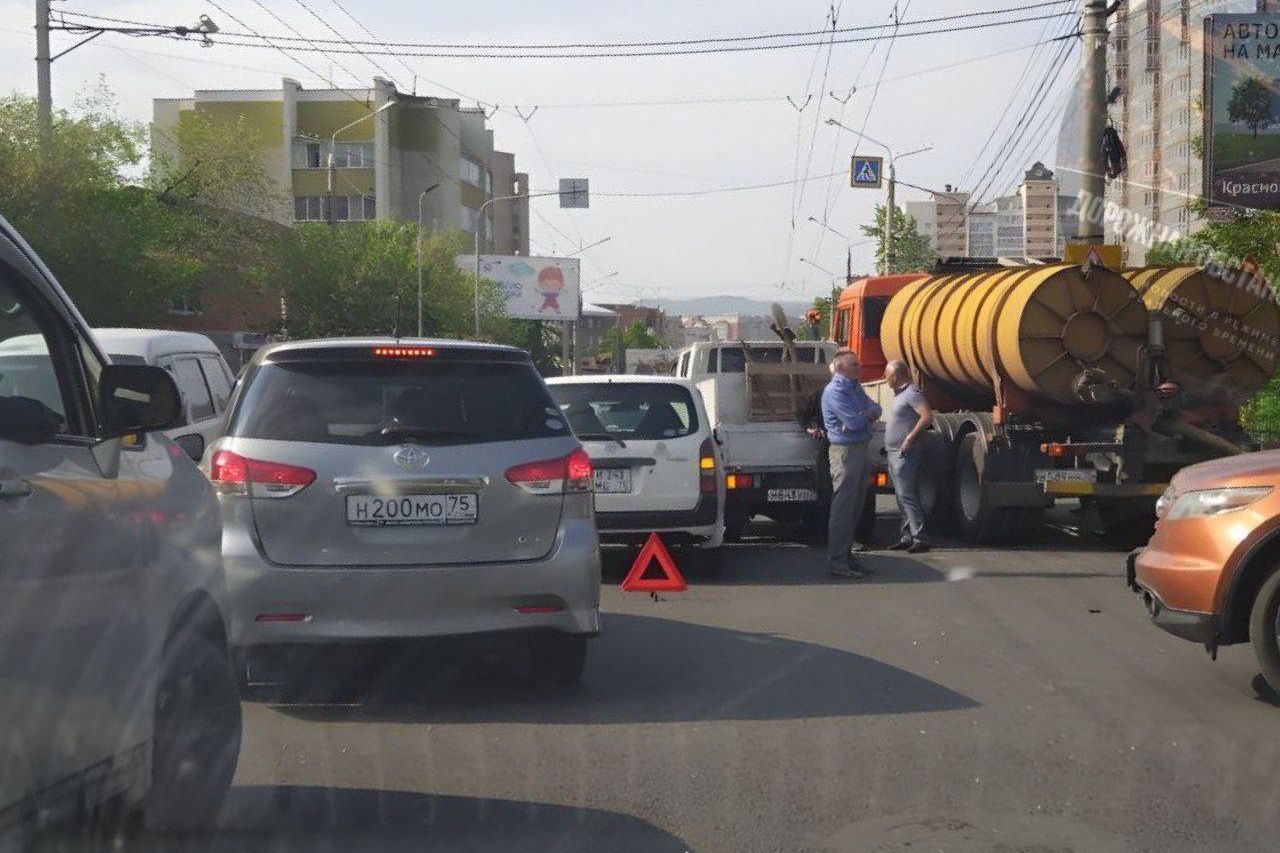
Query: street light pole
(44, 85)
(333, 143)
(421, 197)
(480, 230)
(889, 254)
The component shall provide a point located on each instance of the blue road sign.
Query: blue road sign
(866, 172)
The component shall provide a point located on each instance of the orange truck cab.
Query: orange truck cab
(859, 311)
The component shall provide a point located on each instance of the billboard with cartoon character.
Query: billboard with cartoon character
(536, 288)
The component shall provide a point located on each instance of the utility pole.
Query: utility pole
(44, 84)
(421, 198)
(1093, 82)
(888, 223)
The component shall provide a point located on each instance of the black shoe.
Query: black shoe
(900, 545)
(847, 572)
(917, 547)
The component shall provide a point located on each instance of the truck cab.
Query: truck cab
(859, 312)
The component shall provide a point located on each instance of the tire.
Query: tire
(557, 660)
(977, 519)
(936, 483)
(1263, 632)
(196, 735)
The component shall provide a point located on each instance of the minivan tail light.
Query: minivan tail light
(557, 476)
(233, 474)
(707, 467)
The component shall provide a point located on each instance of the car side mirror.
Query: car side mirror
(192, 444)
(137, 398)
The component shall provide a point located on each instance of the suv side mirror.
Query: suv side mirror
(137, 398)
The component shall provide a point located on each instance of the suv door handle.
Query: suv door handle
(14, 488)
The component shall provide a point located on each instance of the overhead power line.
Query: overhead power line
(684, 42)
(484, 52)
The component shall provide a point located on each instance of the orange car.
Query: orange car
(1211, 572)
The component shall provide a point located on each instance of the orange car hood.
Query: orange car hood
(1242, 470)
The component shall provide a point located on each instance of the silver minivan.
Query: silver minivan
(379, 490)
(116, 687)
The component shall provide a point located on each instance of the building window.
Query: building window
(346, 208)
(1184, 19)
(353, 155)
(308, 208)
(475, 174)
(307, 155)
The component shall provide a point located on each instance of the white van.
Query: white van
(657, 466)
(198, 368)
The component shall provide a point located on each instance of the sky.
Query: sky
(745, 132)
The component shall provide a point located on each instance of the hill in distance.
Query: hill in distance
(704, 305)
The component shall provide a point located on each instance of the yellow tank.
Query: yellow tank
(1035, 328)
(1216, 333)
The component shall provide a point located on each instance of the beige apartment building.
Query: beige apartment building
(385, 157)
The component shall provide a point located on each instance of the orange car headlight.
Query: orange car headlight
(1207, 502)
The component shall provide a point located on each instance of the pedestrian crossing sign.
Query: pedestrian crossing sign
(866, 172)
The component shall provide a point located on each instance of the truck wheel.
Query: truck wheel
(937, 488)
(1264, 633)
(978, 520)
(196, 735)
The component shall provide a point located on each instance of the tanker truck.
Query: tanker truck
(1064, 381)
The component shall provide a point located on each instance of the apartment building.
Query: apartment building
(388, 148)
(1156, 60)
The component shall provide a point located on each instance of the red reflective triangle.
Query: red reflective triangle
(635, 581)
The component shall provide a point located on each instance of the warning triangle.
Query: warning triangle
(1094, 257)
(672, 580)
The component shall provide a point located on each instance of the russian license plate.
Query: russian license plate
(405, 510)
(1066, 475)
(791, 495)
(613, 481)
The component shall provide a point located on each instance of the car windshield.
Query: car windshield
(386, 402)
(627, 410)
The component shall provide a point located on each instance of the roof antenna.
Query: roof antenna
(395, 331)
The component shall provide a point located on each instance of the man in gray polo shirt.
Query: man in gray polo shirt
(909, 415)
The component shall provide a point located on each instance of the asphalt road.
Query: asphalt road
(966, 700)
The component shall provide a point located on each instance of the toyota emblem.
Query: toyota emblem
(411, 457)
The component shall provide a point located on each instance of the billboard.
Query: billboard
(1242, 111)
(536, 288)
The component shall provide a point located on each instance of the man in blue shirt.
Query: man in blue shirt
(847, 414)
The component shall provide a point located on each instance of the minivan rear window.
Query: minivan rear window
(627, 410)
(375, 403)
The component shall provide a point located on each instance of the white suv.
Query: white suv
(656, 462)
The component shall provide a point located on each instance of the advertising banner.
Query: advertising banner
(1242, 111)
(536, 288)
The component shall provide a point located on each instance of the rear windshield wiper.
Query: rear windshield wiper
(601, 436)
(400, 432)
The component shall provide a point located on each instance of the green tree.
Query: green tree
(346, 279)
(120, 252)
(912, 251)
(1250, 104)
(635, 336)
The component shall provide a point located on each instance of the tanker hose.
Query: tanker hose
(1200, 436)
